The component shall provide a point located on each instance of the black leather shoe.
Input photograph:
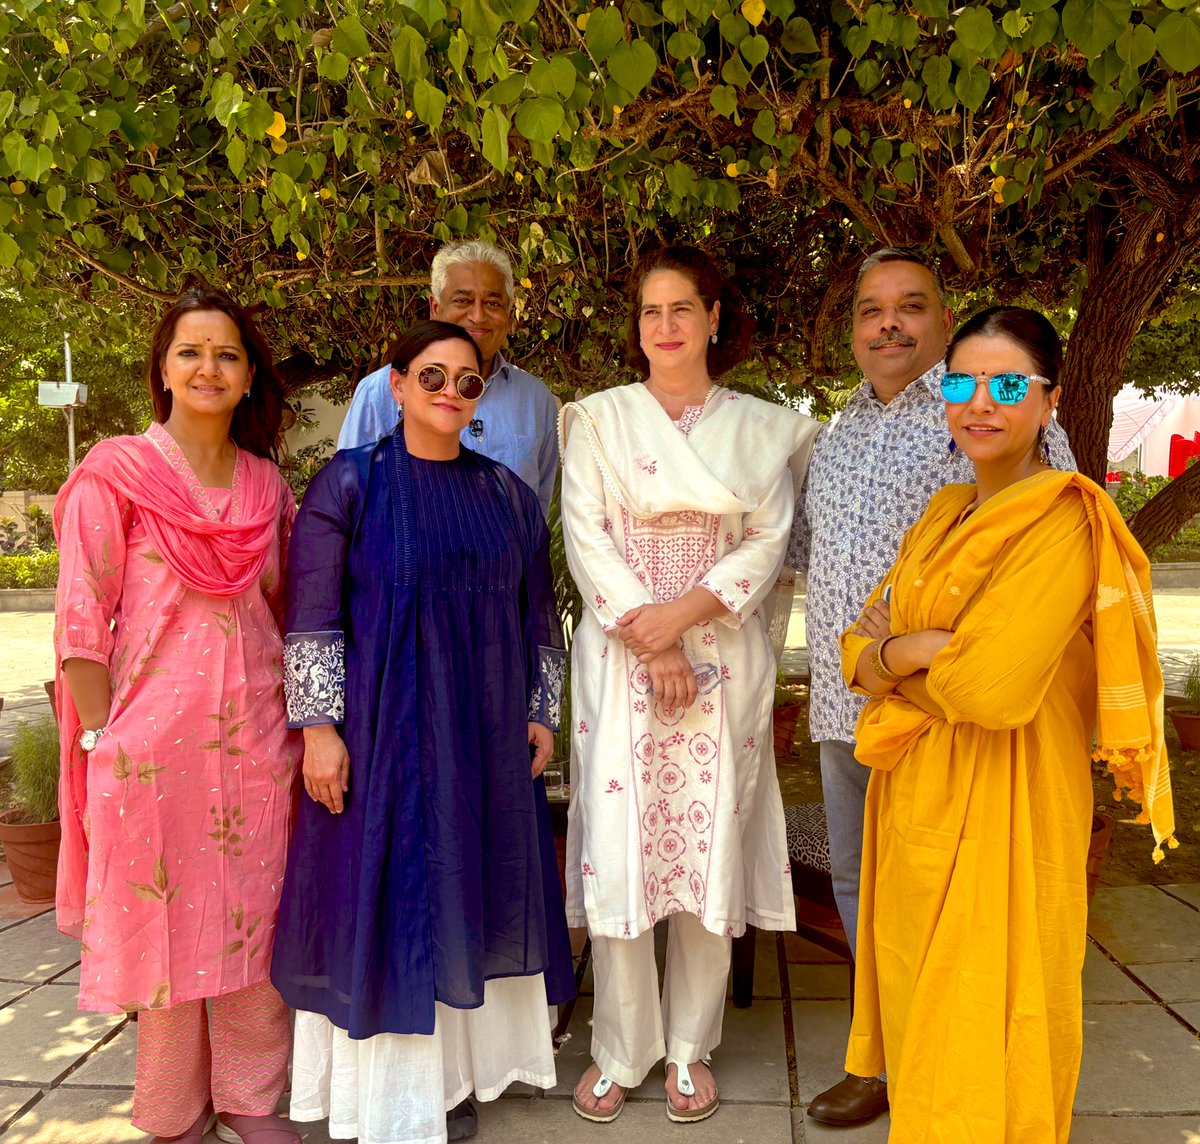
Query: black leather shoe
(854, 1100)
(462, 1121)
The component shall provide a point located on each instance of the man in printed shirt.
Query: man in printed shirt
(873, 470)
(516, 421)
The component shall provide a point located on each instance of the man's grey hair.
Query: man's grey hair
(470, 250)
(901, 254)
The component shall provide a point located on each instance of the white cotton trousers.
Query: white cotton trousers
(630, 1030)
(397, 1089)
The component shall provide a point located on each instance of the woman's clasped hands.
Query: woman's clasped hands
(654, 633)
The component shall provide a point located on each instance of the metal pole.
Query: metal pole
(70, 410)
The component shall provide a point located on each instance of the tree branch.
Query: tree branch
(129, 283)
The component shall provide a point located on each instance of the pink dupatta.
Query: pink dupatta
(215, 557)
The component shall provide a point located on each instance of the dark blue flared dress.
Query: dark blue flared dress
(421, 619)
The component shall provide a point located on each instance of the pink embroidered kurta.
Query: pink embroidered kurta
(189, 792)
(671, 810)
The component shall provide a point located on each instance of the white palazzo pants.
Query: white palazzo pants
(630, 1031)
(397, 1089)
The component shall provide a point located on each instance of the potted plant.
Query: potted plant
(29, 830)
(788, 705)
(1186, 714)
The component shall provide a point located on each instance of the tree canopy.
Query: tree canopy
(311, 156)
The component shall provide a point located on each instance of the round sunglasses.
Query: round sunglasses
(1006, 388)
(433, 379)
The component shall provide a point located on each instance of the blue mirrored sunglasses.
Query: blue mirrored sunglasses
(1006, 388)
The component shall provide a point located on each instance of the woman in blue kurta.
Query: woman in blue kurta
(422, 931)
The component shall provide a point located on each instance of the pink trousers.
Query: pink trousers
(239, 1059)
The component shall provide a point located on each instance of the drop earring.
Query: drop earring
(713, 339)
(1044, 445)
(951, 449)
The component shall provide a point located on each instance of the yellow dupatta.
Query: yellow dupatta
(942, 571)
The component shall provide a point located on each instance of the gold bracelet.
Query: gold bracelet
(878, 666)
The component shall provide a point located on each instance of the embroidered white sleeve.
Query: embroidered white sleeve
(545, 701)
(314, 678)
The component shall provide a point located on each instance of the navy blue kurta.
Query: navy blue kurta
(421, 618)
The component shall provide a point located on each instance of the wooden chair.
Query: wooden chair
(817, 918)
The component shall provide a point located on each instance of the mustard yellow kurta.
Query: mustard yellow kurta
(973, 904)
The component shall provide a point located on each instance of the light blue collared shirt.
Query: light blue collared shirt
(517, 413)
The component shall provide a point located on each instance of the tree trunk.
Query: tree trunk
(1161, 517)
(301, 369)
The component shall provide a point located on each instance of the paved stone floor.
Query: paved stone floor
(66, 1076)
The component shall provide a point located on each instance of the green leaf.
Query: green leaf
(733, 71)
(971, 85)
(55, 197)
(495, 138)
(881, 152)
(505, 92)
(868, 74)
(605, 30)
(755, 49)
(798, 36)
(227, 98)
(340, 142)
(1136, 45)
(235, 155)
(724, 100)
(1093, 25)
(77, 139)
(334, 66)
(518, 11)
(408, 54)
(642, 14)
(458, 50)
(350, 38)
(632, 65)
(14, 151)
(457, 218)
(974, 29)
(7, 102)
(859, 41)
(684, 45)
(681, 179)
(480, 21)
(555, 76)
(1107, 103)
(1013, 191)
(842, 137)
(429, 102)
(905, 172)
(1178, 39)
(764, 125)
(9, 250)
(734, 28)
(539, 120)
(431, 11)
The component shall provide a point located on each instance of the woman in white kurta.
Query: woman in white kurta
(677, 502)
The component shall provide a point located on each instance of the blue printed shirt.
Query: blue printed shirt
(873, 469)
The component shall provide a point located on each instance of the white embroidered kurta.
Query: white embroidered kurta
(671, 810)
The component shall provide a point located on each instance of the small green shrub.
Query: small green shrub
(1135, 488)
(29, 570)
(35, 769)
(1191, 685)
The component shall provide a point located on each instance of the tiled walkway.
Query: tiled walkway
(65, 1076)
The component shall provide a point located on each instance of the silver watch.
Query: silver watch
(89, 739)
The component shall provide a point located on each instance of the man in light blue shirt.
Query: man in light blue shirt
(516, 421)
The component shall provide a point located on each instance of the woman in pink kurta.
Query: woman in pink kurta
(177, 766)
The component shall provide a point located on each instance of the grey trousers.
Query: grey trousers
(844, 788)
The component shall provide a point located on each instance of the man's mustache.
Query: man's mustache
(891, 340)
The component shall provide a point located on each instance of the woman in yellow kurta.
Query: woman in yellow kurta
(1014, 632)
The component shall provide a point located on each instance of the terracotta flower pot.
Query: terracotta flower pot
(784, 719)
(1187, 727)
(32, 853)
(1102, 832)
